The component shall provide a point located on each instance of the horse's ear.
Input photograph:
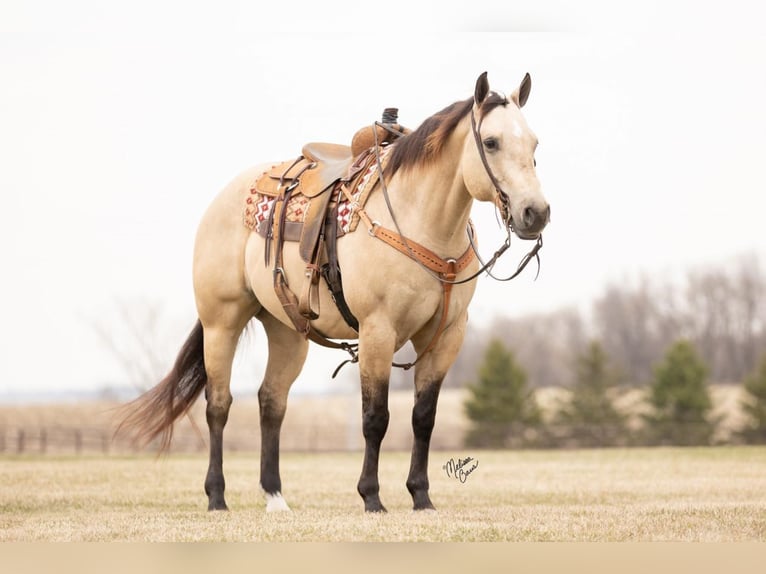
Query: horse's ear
(482, 89)
(521, 93)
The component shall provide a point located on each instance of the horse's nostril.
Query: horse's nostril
(529, 217)
(535, 218)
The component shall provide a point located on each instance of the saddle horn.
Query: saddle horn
(365, 138)
(390, 116)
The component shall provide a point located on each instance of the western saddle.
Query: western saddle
(314, 179)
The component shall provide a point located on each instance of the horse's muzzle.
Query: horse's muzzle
(533, 220)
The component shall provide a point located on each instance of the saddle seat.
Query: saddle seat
(328, 153)
(321, 165)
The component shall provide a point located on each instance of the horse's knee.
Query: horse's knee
(374, 409)
(375, 424)
(423, 419)
(272, 408)
(424, 411)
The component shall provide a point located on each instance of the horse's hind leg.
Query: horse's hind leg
(223, 322)
(287, 353)
(220, 345)
(429, 374)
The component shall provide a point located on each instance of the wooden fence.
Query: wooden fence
(50, 440)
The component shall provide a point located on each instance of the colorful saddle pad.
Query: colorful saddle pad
(259, 205)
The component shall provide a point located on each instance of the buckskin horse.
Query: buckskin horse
(408, 274)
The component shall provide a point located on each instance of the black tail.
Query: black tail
(153, 413)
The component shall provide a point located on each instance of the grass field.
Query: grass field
(706, 494)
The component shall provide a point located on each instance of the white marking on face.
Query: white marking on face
(517, 131)
(275, 503)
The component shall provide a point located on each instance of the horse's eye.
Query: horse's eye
(534, 161)
(491, 144)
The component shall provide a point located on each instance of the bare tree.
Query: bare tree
(141, 338)
(138, 337)
(635, 323)
(727, 316)
(751, 317)
(545, 344)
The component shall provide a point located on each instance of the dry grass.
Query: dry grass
(707, 494)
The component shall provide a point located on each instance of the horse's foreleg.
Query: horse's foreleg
(429, 374)
(376, 349)
(287, 353)
(220, 345)
(423, 417)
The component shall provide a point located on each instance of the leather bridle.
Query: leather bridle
(503, 203)
(502, 197)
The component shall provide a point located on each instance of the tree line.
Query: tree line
(719, 309)
(504, 412)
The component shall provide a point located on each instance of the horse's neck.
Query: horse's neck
(432, 205)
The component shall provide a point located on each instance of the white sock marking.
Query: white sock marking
(275, 503)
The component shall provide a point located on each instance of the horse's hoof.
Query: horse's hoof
(217, 505)
(275, 503)
(425, 511)
(421, 501)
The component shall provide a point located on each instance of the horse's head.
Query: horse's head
(498, 161)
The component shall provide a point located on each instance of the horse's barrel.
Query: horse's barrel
(365, 138)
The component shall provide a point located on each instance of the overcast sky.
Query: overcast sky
(119, 125)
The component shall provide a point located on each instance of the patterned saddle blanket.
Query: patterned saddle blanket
(259, 205)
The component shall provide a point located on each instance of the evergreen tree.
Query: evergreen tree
(680, 399)
(503, 410)
(754, 405)
(589, 418)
